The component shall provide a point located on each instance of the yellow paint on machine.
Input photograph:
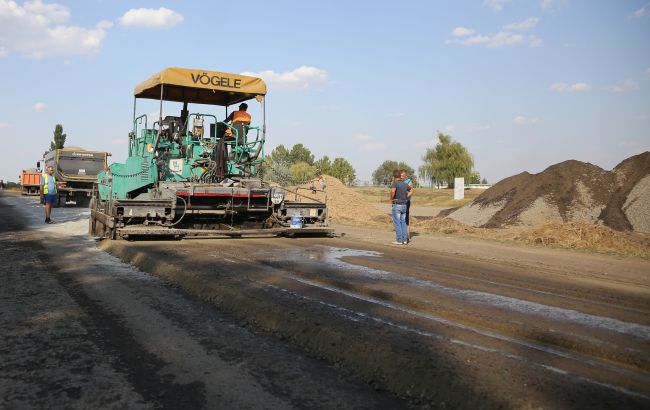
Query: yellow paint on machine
(200, 86)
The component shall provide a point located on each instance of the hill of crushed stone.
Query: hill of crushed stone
(346, 206)
(571, 191)
(629, 206)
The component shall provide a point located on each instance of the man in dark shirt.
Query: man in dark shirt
(400, 192)
(408, 180)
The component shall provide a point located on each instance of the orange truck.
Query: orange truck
(30, 181)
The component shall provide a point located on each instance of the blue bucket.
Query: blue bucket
(296, 222)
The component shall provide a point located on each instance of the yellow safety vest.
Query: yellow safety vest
(46, 183)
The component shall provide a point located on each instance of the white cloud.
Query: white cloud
(151, 18)
(624, 86)
(534, 42)
(462, 32)
(4, 125)
(507, 37)
(301, 78)
(40, 107)
(570, 88)
(642, 11)
(3, 51)
(579, 87)
(522, 25)
(395, 114)
(38, 30)
(521, 120)
(498, 40)
(495, 5)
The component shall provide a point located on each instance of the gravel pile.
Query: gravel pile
(571, 191)
(346, 206)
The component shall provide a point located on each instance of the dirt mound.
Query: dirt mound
(443, 225)
(346, 206)
(636, 206)
(628, 175)
(582, 235)
(571, 191)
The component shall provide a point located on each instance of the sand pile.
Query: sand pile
(346, 206)
(571, 191)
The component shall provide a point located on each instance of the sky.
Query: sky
(523, 84)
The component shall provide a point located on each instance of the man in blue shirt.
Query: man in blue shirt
(49, 194)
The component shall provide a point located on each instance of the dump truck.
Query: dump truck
(192, 175)
(76, 172)
(30, 181)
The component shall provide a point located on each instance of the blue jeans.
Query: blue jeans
(399, 222)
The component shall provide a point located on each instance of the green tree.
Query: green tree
(59, 138)
(301, 153)
(323, 166)
(302, 172)
(447, 160)
(484, 181)
(474, 178)
(383, 175)
(343, 170)
(280, 155)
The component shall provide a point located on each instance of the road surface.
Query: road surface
(329, 323)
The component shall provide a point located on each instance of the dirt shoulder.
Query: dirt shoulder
(626, 271)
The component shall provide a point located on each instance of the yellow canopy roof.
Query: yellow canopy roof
(200, 86)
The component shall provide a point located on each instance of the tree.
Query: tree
(323, 166)
(280, 155)
(296, 166)
(474, 178)
(383, 175)
(343, 170)
(447, 160)
(484, 181)
(302, 172)
(59, 138)
(301, 153)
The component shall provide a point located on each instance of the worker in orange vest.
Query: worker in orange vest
(238, 119)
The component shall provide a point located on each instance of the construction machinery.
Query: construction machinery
(193, 175)
(76, 172)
